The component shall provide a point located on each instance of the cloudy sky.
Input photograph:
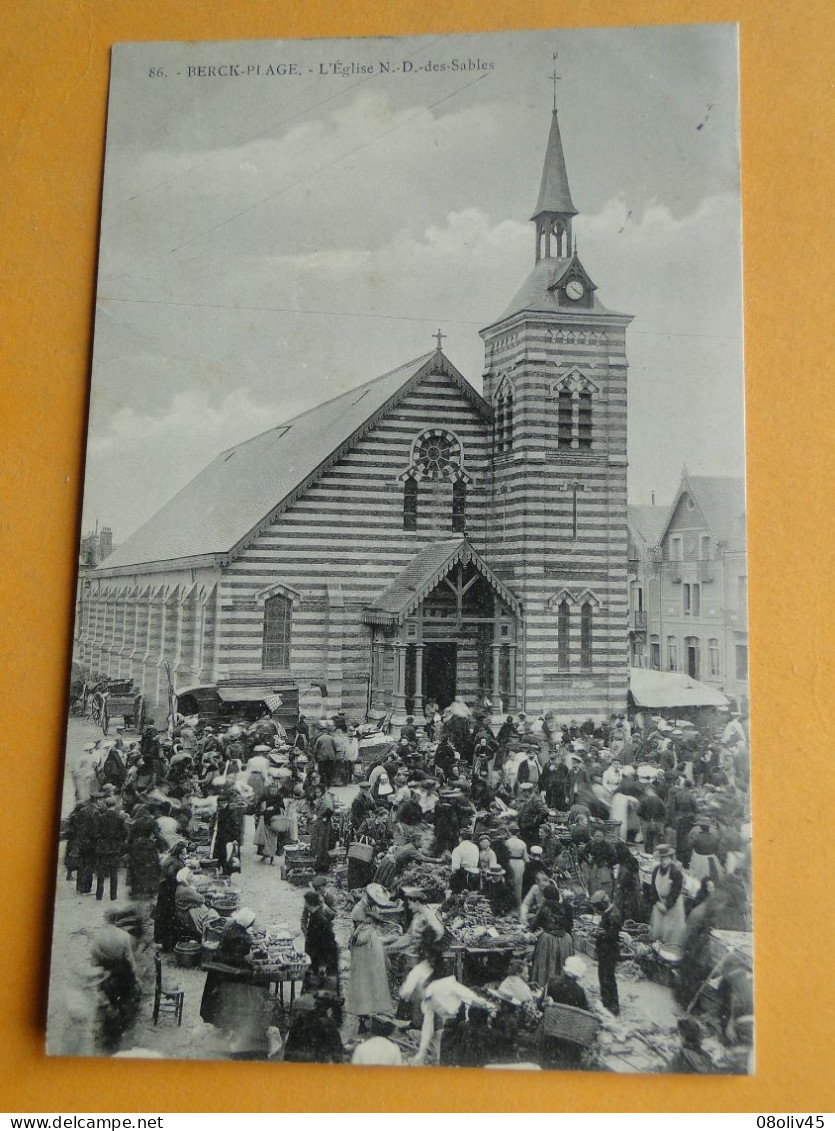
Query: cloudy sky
(271, 240)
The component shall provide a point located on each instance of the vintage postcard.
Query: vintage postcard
(409, 710)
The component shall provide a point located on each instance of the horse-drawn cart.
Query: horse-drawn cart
(117, 698)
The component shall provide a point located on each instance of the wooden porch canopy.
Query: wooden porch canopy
(426, 570)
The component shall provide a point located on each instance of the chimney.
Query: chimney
(652, 496)
(105, 543)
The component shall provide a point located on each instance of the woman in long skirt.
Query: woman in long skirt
(144, 842)
(321, 831)
(553, 946)
(368, 982)
(269, 840)
(667, 923)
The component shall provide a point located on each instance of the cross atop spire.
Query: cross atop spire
(439, 337)
(555, 78)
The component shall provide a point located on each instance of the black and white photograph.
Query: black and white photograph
(409, 717)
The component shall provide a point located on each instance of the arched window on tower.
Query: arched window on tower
(563, 634)
(584, 421)
(278, 627)
(459, 506)
(410, 504)
(503, 425)
(586, 632)
(565, 418)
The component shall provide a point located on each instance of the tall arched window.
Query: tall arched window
(459, 506)
(565, 418)
(278, 626)
(584, 421)
(503, 426)
(586, 627)
(410, 504)
(563, 634)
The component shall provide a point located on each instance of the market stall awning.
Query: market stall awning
(250, 695)
(650, 688)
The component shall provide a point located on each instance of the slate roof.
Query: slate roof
(242, 487)
(648, 522)
(722, 501)
(420, 576)
(554, 193)
(538, 292)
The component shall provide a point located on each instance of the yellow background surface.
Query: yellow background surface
(53, 85)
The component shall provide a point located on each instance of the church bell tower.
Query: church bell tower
(556, 377)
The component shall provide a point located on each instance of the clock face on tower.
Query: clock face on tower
(574, 290)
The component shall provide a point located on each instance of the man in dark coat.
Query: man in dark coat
(532, 814)
(607, 943)
(325, 755)
(111, 839)
(553, 781)
(361, 806)
(86, 825)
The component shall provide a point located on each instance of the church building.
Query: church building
(410, 538)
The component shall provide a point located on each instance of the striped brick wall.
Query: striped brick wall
(532, 543)
(343, 541)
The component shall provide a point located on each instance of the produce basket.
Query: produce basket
(187, 954)
(359, 851)
(611, 831)
(213, 930)
(300, 877)
(224, 904)
(570, 1024)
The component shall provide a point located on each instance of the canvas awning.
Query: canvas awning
(650, 688)
(250, 695)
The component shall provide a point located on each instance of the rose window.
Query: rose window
(436, 452)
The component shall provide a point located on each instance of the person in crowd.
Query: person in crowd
(166, 930)
(691, 1059)
(325, 752)
(652, 813)
(190, 908)
(532, 869)
(533, 813)
(320, 941)
(628, 888)
(314, 1036)
(111, 839)
(667, 922)
(518, 856)
(377, 1048)
(705, 848)
(555, 942)
(321, 832)
(545, 887)
(84, 826)
(564, 989)
(228, 830)
(607, 942)
(368, 984)
(598, 860)
(231, 1001)
(270, 830)
(464, 865)
(143, 848)
(120, 994)
(425, 923)
(553, 782)
(361, 806)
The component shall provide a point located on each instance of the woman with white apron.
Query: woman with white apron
(668, 921)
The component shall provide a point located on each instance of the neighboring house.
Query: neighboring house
(688, 585)
(410, 538)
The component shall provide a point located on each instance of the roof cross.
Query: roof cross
(439, 337)
(555, 78)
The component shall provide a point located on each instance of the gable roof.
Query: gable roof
(722, 502)
(420, 576)
(244, 487)
(647, 522)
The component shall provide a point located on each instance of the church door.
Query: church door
(439, 663)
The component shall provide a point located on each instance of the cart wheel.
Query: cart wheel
(105, 720)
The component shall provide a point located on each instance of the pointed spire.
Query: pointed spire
(554, 193)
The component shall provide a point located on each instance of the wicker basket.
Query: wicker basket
(224, 904)
(279, 824)
(187, 954)
(300, 877)
(213, 930)
(611, 831)
(570, 1024)
(358, 851)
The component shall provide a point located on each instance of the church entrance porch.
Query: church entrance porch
(446, 627)
(440, 663)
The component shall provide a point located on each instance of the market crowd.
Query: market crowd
(473, 901)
